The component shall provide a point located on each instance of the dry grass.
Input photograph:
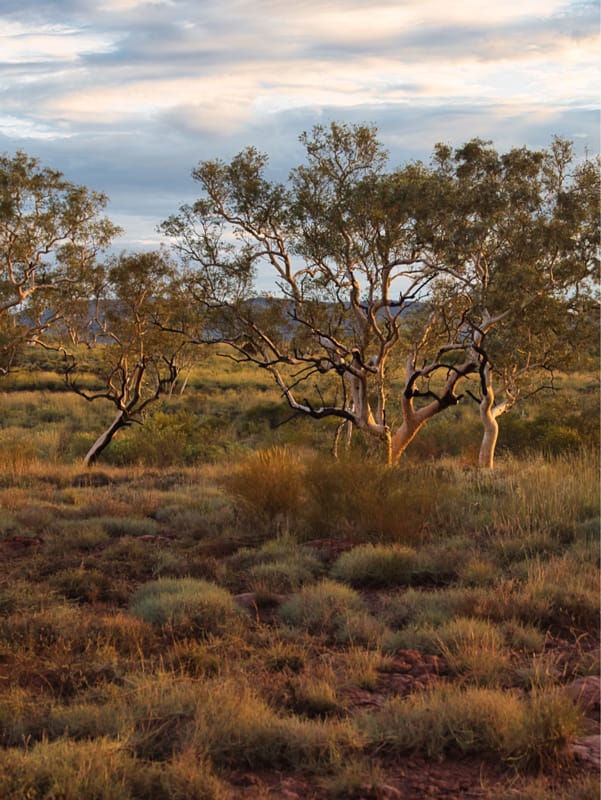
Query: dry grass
(128, 669)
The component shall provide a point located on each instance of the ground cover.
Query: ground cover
(263, 622)
(160, 637)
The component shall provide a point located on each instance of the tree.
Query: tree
(438, 272)
(137, 361)
(519, 238)
(51, 232)
(342, 240)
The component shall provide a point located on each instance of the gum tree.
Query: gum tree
(394, 287)
(133, 359)
(343, 242)
(51, 232)
(519, 238)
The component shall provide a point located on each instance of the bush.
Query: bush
(375, 566)
(235, 728)
(280, 565)
(187, 606)
(268, 486)
(368, 501)
(322, 607)
(128, 526)
(490, 722)
(471, 647)
(102, 770)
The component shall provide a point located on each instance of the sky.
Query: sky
(127, 96)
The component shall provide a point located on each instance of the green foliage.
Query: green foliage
(488, 721)
(499, 601)
(186, 606)
(128, 526)
(334, 610)
(102, 770)
(367, 500)
(234, 727)
(280, 565)
(376, 566)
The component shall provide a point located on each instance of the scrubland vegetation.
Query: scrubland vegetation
(197, 600)
(218, 608)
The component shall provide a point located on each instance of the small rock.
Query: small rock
(383, 792)
(246, 779)
(588, 749)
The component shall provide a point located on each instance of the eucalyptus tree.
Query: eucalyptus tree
(395, 287)
(135, 360)
(51, 232)
(342, 243)
(519, 239)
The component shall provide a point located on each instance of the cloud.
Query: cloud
(127, 96)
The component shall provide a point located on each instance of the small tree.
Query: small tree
(137, 360)
(519, 238)
(51, 232)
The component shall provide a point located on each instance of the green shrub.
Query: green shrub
(23, 716)
(235, 728)
(129, 526)
(102, 770)
(562, 591)
(89, 585)
(186, 605)
(314, 698)
(367, 501)
(280, 565)
(472, 647)
(375, 566)
(490, 722)
(321, 607)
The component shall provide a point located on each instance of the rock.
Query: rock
(587, 749)
(586, 692)
(382, 792)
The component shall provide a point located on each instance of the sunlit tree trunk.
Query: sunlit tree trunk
(489, 414)
(105, 438)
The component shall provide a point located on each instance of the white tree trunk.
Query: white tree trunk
(105, 438)
(486, 457)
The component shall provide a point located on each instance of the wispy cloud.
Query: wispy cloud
(129, 94)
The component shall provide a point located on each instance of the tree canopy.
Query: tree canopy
(51, 233)
(478, 265)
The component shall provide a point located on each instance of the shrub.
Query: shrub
(375, 566)
(561, 591)
(187, 606)
(88, 585)
(128, 526)
(23, 716)
(314, 697)
(368, 501)
(280, 565)
(321, 607)
(102, 770)
(235, 728)
(268, 486)
(471, 647)
(525, 732)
